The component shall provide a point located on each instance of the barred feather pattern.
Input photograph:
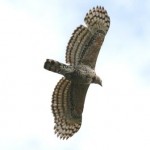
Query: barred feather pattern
(97, 21)
(82, 52)
(76, 43)
(57, 67)
(65, 124)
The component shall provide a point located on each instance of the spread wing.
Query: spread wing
(67, 106)
(85, 43)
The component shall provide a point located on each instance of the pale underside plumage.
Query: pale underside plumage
(82, 50)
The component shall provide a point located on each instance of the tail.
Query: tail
(58, 67)
(97, 19)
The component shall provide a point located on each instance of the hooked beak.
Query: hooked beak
(100, 83)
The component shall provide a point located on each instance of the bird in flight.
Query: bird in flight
(81, 54)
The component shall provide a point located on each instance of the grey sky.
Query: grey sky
(116, 116)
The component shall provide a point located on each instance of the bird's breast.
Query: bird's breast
(83, 74)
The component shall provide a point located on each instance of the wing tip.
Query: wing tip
(97, 19)
(64, 129)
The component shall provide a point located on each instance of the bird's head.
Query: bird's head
(97, 80)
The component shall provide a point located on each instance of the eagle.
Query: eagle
(81, 54)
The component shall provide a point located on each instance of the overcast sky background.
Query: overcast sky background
(116, 116)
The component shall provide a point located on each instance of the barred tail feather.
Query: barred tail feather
(53, 65)
(97, 19)
(58, 67)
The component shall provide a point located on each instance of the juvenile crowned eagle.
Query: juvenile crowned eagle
(81, 55)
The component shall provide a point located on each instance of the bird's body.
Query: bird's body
(81, 74)
(81, 54)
